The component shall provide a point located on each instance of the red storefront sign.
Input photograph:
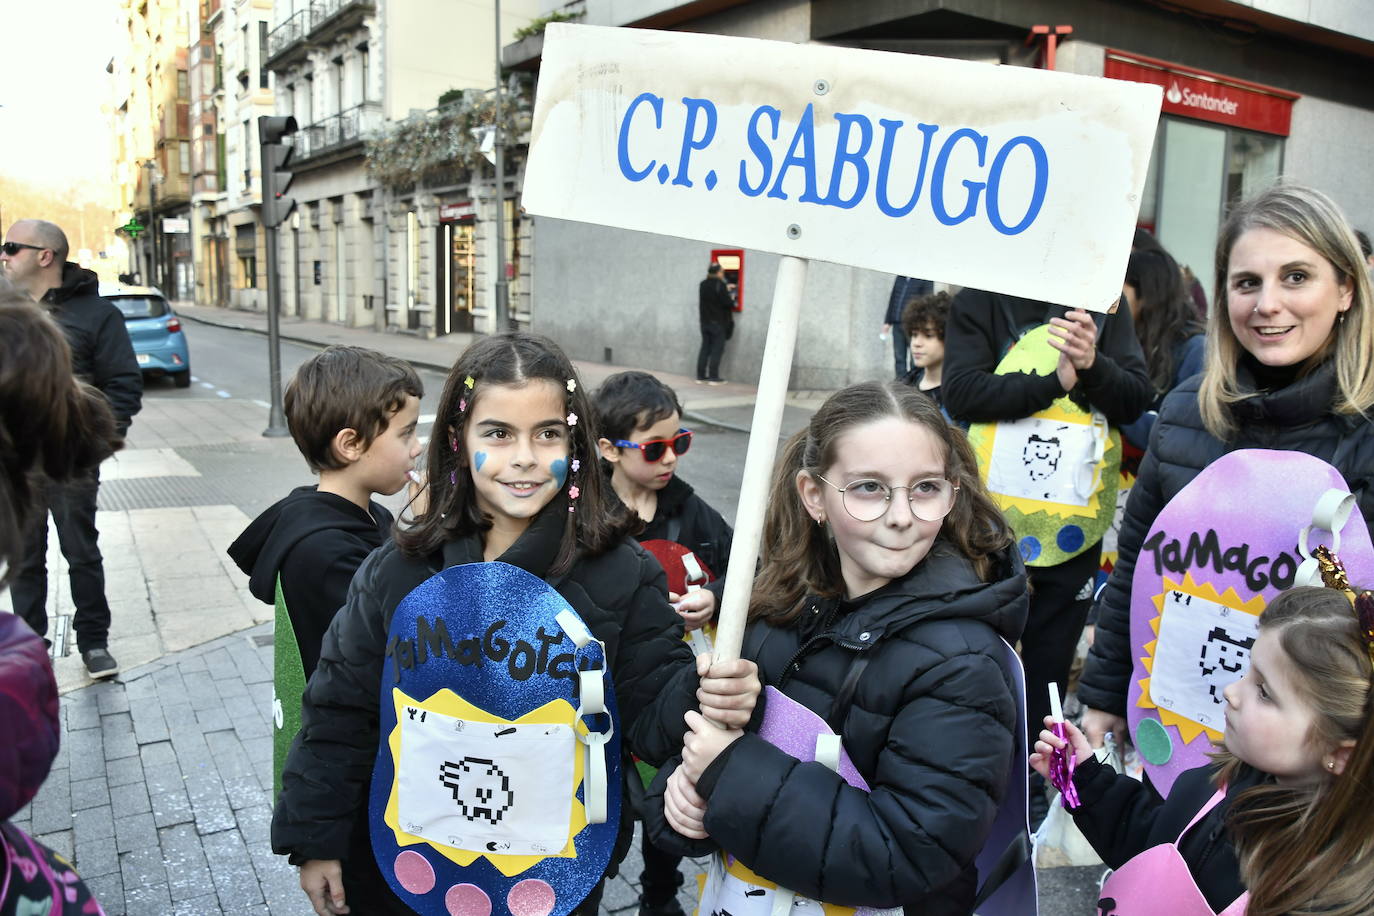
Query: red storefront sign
(453, 213)
(1207, 96)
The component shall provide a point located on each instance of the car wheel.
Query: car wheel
(183, 379)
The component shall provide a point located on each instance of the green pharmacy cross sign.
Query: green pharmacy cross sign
(134, 228)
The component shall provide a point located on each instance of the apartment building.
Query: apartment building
(150, 104)
(231, 88)
(1254, 90)
(349, 71)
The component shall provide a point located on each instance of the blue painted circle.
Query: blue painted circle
(1030, 548)
(1070, 538)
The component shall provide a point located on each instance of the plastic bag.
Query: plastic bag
(1058, 842)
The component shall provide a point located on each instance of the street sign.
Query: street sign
(176, 225)
(1009, 179)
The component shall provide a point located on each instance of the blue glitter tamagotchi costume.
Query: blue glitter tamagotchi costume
(497, 782)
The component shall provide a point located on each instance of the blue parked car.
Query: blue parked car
(155, 331)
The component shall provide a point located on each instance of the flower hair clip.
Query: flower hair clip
(463, 401)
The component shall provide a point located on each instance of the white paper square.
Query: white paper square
(1036, 458)
(484, 787)
(1203, 646)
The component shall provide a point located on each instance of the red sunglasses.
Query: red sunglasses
(654, 449)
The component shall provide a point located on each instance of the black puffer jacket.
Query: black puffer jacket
(102, 355)
(685, 518)
(322, 810)
(929, 727)
(1297, 417)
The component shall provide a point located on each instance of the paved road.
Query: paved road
(162, 790)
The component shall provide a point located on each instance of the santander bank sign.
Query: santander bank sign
(1194, 93)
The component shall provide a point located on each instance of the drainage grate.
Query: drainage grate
(159, 493)
(60, 631)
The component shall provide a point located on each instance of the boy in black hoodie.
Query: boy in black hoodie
(640, 420)
(353, 414)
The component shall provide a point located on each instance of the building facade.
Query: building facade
(150, 104)
(356, 252)
(1254, 91)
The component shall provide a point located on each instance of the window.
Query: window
(185, 157)
(248, 273)
(338, 72)
(364, 69)
(183, 86)
(246, 147)
(262, 54)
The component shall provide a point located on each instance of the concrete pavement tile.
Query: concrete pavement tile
(95, 857)
(258, 910)
(192, 663)
(251, 727)
(619, 895)
(169, 684)
(109, 697)
(90, 793)
(143, 867)
(232, 688)
(188, 874)
(172, 807)
(213, 720)
(147, 899)
(209, 803)
(59, 841)
(82, 710)
(206, 905)
(126, 771)
(130, 800)
(159, 754)
(235, 881)
(135, 831)
(170, 596)
(149, 726)
(139, 685)
(94, 823)
(117, 733)
(108, 890)
(87, 750)
(245, 791)
(51, 810)
(230, 758)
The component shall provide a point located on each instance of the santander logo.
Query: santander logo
(1207, 102)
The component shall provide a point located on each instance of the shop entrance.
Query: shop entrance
(457, 268)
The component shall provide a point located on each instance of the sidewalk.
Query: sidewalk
(730, 406)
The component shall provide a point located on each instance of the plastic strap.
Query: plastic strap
(828, 752)
(696, 576)
(700, 641)
(1330, 514)
(572, 625)
(593, 695)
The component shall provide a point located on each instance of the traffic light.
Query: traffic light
(276, 174)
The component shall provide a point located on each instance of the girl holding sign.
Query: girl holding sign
(512, 478)
(1283, 810)
(888, 584)
(1287, 367)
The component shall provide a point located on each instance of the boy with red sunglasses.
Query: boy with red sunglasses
(640, 421)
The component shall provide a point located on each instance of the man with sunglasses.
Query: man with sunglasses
(34, 258)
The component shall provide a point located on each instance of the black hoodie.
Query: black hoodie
(929, 724)
(101, 352)
(316, 542)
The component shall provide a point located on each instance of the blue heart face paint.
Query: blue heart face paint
(479, 459)
(559, 467)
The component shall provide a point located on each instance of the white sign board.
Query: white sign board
(173, 225)
(1005, 178)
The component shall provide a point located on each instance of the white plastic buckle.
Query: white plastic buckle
(1330, 514)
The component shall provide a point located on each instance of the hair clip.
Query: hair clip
(468, 383)
(572, 385)
(462, 407)
(576, 465)
(1333, 571)
(572, 419)
(574, 492)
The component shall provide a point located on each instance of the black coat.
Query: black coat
(1297, 417)
(1122, 817)
(978, 334)
(715, 305)
(102, 355)
(322, 810)
(315, 542)
(930, 727)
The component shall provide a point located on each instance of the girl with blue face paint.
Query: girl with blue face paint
(512, 477)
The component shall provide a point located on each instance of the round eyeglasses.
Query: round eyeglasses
(868, 500)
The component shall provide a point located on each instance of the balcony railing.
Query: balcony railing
(289, 35)
(338, 132)
(327, 11)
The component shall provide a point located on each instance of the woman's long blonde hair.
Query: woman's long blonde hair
(1308, 850)
(1310, 217)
